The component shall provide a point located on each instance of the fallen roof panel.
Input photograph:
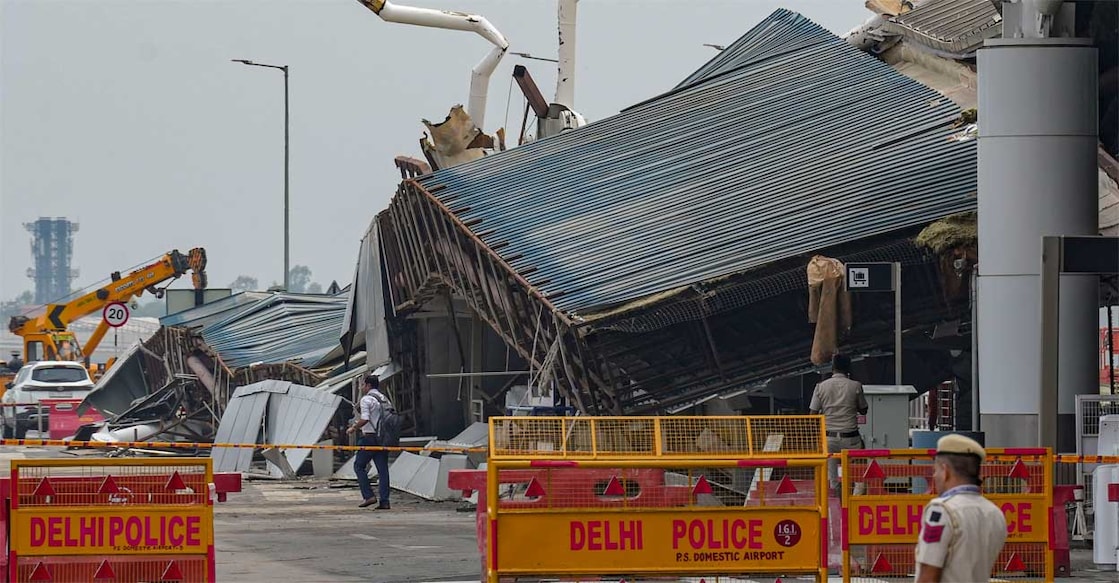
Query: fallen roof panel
(797, 151)
(956, 27)
(277, 327)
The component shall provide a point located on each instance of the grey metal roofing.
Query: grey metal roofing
(214, 311)
(958, 27)
(296, 415)
(278, 327)
(781, 33)
(780, 153)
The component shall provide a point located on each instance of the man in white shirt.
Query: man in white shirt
(961, 531)
(370, 409)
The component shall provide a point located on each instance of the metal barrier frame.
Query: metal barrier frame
(657, 457)
(206, 506)
(1043, 498)
(659, 450)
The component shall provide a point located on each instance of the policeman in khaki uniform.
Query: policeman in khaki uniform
(961, 531)
(840, 400)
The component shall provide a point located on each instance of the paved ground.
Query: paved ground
(312, 531)
(308, 531)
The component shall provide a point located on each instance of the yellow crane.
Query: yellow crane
(46, 336)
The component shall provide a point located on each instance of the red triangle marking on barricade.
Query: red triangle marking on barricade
(44, 488)
(702, 486)
(1019, 471)
(1015, 564)
(534, 490)
(40, 573)
(614, 488)
(881, 565)
(105, 571)
(874, 471)
(175, 482)
(108, 486)
(172, 572)
(786, 486)
(702, 581)
(778, 580)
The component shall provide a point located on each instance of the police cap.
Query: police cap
(959, 444)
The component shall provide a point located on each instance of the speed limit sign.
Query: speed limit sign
(115, 314)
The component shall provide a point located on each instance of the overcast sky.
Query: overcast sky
(128, 117)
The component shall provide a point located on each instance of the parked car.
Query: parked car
(46, 379)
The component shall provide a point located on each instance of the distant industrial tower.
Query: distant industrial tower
(52, 246)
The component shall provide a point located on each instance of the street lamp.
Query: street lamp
(287, 213)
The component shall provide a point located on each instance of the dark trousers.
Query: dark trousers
(380, 459)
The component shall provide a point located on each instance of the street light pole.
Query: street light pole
(287, 160)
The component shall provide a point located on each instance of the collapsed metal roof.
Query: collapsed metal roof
(647, 260)
(792, 141)
(954, 27)
(268, 328)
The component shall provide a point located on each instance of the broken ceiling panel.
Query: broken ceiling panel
(273, 412)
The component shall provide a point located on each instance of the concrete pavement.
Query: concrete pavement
(309, 531)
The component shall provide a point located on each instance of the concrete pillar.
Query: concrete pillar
(1037, 176)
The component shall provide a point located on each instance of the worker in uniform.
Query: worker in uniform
(840, 400)
(961, 531)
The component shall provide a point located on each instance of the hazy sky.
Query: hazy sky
(128, 116)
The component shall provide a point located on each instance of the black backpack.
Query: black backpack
(388, 426)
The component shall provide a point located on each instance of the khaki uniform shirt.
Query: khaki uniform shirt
(962, 533)
(839, 399)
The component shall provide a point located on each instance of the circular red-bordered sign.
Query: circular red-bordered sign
(115, 314)
(787, 533)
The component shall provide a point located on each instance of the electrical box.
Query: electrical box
(886, 423)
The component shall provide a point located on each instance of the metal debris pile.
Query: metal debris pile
(251, 368)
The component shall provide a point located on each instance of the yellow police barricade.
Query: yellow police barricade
(128, 520)
(634, 498)
(884, 495)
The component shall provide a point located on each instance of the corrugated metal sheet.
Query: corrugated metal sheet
(782, 33)
(296, 415)
(804, 149)
(277, 328)
(957, 27)
(239, 424)
(215, 311)
(299, 416)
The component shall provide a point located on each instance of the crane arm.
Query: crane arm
(57, 317)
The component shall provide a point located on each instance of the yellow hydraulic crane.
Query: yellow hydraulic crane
(46, 336)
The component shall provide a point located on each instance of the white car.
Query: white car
(48, 379)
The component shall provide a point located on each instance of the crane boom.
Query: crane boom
(46, 336)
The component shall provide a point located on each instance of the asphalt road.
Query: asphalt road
(308, 531)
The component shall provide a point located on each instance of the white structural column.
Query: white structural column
(1038, 132)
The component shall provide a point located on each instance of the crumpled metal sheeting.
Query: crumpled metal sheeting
(794, 152)
(213, 312)
(276, 371)
(955, 27)
(279, 328)
(295, 414)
